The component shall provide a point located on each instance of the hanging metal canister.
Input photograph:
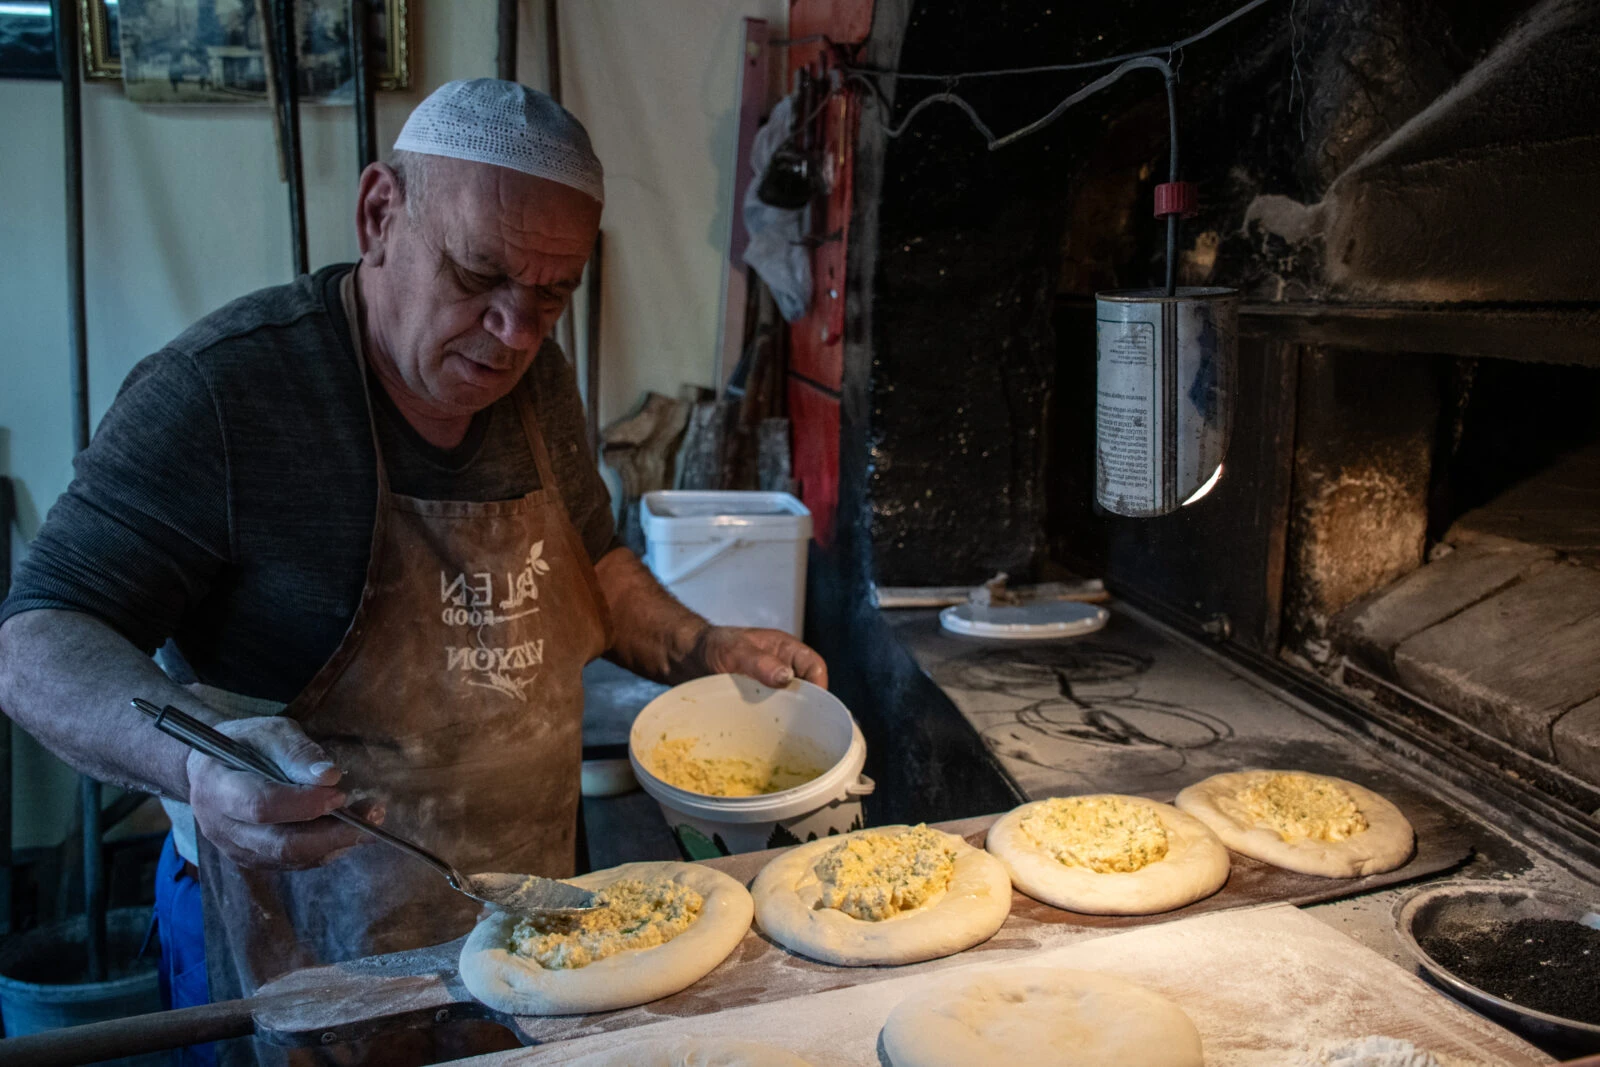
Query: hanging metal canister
(1164, 406)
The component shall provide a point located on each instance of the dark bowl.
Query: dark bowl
(1462, 906)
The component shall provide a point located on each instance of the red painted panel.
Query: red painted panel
(814, 424)
(816, 348)
(817, 340)
(843, 21)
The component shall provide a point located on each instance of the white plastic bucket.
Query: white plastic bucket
(738, 558)
(733, 716)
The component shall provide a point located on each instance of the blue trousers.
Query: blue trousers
(183, 946)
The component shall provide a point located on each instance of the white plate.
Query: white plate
(1041, 621)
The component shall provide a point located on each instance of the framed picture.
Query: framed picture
(102, 49)
(211, 51)
(27, 40)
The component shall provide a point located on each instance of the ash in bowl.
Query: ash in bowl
(1545, 965)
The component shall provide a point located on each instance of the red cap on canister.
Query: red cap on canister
(1177, 198)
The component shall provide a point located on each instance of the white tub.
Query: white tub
(738, 717)
(737, 558)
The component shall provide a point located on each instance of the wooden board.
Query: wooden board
(1262, 986)
(362, 997)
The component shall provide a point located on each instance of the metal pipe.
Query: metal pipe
(552, 47)
(289, 97)
(8, 510)
(591, 361)
(66, 19)
(505, 60)
(1171, 78)
(94, 877)
(361, 77)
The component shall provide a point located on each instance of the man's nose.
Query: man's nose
(516, 324)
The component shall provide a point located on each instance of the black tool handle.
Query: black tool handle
(241, 757)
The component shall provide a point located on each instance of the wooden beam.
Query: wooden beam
(753, 79)
(1560, 334)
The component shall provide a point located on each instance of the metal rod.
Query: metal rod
(552, 47)
(1172, 255)
(94, 880)
(289, 97)
(591, 361)
(8, 509)
(1171, 78)
(66, 20)
(505, 60)
(72, 121)
(269, 65)
(361, 78)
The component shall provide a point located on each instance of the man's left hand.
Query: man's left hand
(771, 657)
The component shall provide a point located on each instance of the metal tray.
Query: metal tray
(1462, 905)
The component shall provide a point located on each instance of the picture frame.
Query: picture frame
(102, 50)
(210, 51)
(28, 41)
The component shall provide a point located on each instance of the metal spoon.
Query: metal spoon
(525, 894)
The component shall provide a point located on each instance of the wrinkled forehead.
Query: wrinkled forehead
(494, 211)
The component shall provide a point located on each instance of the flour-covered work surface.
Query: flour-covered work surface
(1268, 987)
(1139, 709)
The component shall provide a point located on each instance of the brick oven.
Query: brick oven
(1407, 531)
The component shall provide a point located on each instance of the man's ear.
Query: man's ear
(379, 204)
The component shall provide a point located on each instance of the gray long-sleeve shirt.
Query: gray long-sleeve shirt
(227, 499)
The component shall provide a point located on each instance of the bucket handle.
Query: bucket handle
(699, 561)
(861, 787)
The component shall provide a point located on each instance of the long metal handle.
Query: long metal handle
(201, 737)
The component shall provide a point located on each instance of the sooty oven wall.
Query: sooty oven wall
(955, 372)
(1389, 152)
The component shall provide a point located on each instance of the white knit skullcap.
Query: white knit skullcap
(486, 120)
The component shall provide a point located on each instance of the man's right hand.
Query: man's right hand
(258, 823)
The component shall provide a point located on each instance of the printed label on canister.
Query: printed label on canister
(1127, 422)
(1164, 398)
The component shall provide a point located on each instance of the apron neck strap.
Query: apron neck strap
(521, 393)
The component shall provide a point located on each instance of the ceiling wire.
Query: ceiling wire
(1088, 64)
(1129, 61)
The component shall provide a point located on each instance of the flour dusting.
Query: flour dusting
(1379, 1051)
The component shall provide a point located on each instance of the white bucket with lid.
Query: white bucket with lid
(736, 557)
(733, 716)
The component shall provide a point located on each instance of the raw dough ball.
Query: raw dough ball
(516, 984)
(691, 1052)
(1311, 823)
(897, 872)
(1037, 1015)
(1108, 854)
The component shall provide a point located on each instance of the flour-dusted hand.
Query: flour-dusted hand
(260, 823)
(771, 657)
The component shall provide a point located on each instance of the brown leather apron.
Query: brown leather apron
(456, 698)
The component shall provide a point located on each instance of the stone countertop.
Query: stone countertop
(1138, 708)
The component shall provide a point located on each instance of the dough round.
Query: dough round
(968, 912)
(1195, 866)
(1040, 1015)
(519, 986)
(1384, 845)
(691, 1052)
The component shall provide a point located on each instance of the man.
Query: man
(361, 509)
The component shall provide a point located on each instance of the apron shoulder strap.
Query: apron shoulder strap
(523, 394)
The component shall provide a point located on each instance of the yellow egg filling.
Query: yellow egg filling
(875, 875)
(636, 915)
(1303, 806)
(723, 776)
(1107, 835)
